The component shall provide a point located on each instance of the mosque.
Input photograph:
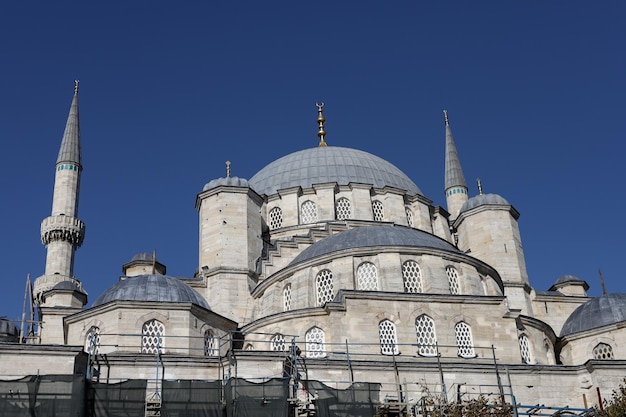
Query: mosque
(326, 272)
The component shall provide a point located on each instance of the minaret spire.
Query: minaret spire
(62, 233)
(320, 120)
(455, 185)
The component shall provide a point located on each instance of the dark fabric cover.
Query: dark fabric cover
(358, 400)
(192, 399)
(249, 399)
(124, 399)
(38, 396)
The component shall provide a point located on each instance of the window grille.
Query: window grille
(287, 297)
(315, 339)
(92, 343)
(412, 277)
(324, 284)
(152, 334)
(426, 337)
(308, 212)
(277, 343)
(379, 212)
(453, 280)
(409, 216)
(276, 218)
(343, 209)
(388, 337)
(210, 343)
(367, 277)
(524, 348)
(603, 351)
(464, 342)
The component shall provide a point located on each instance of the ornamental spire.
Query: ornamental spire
(320, 120)
(480, 186)
(227, 169)
(70, 144)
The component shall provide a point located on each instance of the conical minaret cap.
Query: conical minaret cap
(70, 145)
(454, 172)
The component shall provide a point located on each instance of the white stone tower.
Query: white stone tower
(230, 243)
(62, 233)
(455, 186)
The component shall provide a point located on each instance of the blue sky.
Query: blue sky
(170, 90)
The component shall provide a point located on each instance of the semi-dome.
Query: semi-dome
(227, 182)
(482, 200)
(152, 287)
(600, 311)
(373, 236)
(330, 164)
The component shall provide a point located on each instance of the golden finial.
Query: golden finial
(445, 117)
(480, 186)
(320, 120)
(227, 169)
(76, 86)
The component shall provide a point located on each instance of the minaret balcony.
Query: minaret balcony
(47, 282)
(62, 228)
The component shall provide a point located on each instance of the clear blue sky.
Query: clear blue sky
(170, 90)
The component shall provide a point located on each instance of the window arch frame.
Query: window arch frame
(365, 282)
(603, 348)
(343, 209)
(454, 282)
(210, 343)
(275, 218)
(464, 340)
(309, 212)
(278, 343)
(387, 329)
(418, 277)
(157, 333)
(525, 348)
(378, 211)
(315, 342)
(92, 335)
(324, 295)
(287, 297)
(426, 349)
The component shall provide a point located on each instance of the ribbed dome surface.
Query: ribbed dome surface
(598, 312)
(484, 199)
(372, 236)
(152, 288)
(330, 164)
(228, 182)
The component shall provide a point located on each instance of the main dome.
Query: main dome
(330, 164)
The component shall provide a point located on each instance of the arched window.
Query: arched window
(367, 277)
(453, 280)
(378, 210)
(603, 351)
(315, 340)
(412, 277)
(343, 209)
(277, 343)
(426, 336)
(409, 216)
(249, 346)
(524, 348)
(388, 337)
(464, 341)
(308, 212)
(152, 335)
(324, 286)
(92, 341)
(210, 343)
(276, 218)
(287, 297)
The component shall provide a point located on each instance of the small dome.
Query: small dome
(484, 200)
(158, 288)
(372, 236)
(330, 164)
(226, 182)
(598, 312)
(568, 280)
(144, 256)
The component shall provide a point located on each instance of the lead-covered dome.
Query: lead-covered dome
(482, 200)
(600, 311)
(152, 287)
(373, 236)
(330, 164)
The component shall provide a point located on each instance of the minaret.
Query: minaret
(455, 186)
(62, 233)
